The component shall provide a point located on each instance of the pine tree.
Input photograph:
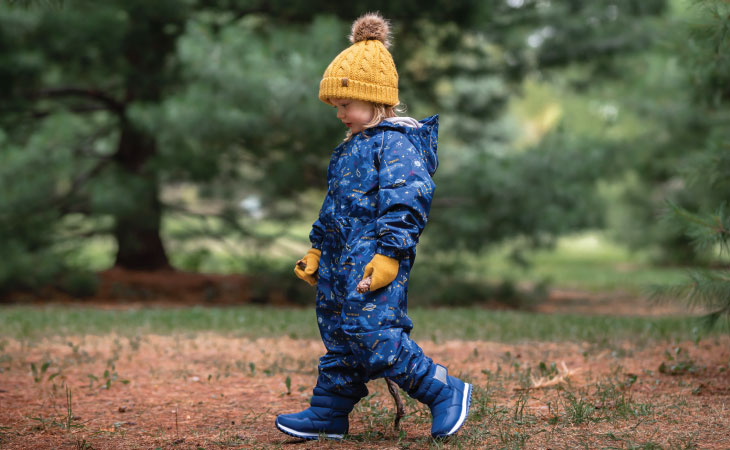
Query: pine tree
(708, 53)
(705, 288)
(105, 104)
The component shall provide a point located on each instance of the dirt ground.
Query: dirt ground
(209, 391)
(212, 391)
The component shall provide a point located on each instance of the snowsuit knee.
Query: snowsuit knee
(379, 195)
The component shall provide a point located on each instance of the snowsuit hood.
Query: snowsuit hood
(423, 134)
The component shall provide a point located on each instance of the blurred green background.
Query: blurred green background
(583, 145)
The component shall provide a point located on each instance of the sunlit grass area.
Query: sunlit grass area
(29, 322)
(587, 261)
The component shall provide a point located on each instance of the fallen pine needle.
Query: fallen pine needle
(542, 382)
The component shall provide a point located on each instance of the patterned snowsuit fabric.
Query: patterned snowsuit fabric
(378, 200)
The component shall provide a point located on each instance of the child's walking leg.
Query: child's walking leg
(367, 337)
(341, 380)
(378, 333)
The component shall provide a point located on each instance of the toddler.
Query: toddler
(378, 199)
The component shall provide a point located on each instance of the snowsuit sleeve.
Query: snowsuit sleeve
(404, 196)
(316, 236)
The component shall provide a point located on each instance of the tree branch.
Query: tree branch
(62, 202)
(84, 177)
(83, 235)
(95, 94)
(79, 109)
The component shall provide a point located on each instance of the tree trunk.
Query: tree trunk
(137, 227)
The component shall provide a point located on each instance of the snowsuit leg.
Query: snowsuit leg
(339, 370)
(367, 336)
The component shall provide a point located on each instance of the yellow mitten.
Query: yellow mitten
(310, 261)
(383, 271)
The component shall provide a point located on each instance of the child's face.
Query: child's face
(355, 114)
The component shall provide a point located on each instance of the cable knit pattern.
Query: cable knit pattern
(368, 68)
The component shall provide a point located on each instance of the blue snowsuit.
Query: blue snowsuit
(378, 200)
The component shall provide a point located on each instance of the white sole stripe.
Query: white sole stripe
(305, 435)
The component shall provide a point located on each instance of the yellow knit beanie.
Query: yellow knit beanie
(365, 70)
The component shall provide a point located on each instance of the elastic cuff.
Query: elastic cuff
(390, 252)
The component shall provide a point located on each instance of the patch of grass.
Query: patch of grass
(378, 412)
(678, 362)
(227, 438)
(514, 326)
(67, 422)
(587, 261)
(28, 322)
(39, 373)
(81, 444)
(578, 409)
(615, 403)
(483, 407)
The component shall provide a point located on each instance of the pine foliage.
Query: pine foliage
(709, 56)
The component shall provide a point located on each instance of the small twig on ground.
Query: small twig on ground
(400, 410)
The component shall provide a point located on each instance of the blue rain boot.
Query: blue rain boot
(327, 415)
(447, 397)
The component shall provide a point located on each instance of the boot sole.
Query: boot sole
(465, 405)
(305, 435)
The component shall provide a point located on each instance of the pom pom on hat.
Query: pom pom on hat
(371, 26)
